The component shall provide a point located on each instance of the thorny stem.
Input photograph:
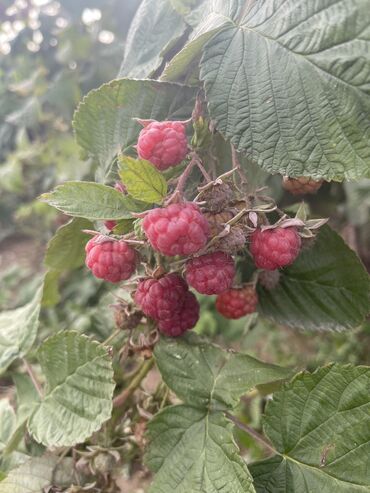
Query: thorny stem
(32, 376)
(134, 384)
(262, 440)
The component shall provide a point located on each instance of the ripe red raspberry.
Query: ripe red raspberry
(164, 144)
(183, 320)
(159, 298)
(111, 224)
(178, 229)
(235, 303)
(269, 279)
(113, 261)
(212, 273)
(301, 185)
(274, 248)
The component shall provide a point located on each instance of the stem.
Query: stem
(183, 178)
(135, 382)
(237, 166)
(262, 440)
(111, 337)
(33, 377)
(203, 171)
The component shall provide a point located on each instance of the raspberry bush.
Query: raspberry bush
(188, 226)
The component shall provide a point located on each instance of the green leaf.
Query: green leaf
(289, 86)
(31, 477)
(18, 330)
(104, 122)
(142, 180)
(225, 376)
(327, 287)
(193, 451)
(66, 250)
(320, 426)
(153, 29)
(7, 422)
(90, 200)
(79, 390)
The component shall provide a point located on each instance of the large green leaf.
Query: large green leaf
(155, 26)
(104, 122)
(18, 330)
(34, 476)
(79, 390)
(193, 451)
(91, 200)
(207, 376)
(288, 84)
(142, 180)
(327, 287)
(66, 250)
(320, 426)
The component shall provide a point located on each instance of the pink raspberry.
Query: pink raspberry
(212, 273)
(302, 185)
(113, 261)
(178, 229)
(164, 144)
(235, 303)
(274, 248)
(111, 224)
(158, 298)
(183, 320)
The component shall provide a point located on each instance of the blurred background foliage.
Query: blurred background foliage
(51, 54)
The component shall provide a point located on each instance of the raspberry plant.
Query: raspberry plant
(212, 98)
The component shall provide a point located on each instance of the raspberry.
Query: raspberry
(274, 248)
(164, 144)
(269, 279)
(178, 229)
(212, 273)
(158, 298)
(183, 320)
(113, 261)
(301, 185)
(111, 224)
(235, 303)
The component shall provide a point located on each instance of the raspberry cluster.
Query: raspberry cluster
(168, 301)
(206, 239)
